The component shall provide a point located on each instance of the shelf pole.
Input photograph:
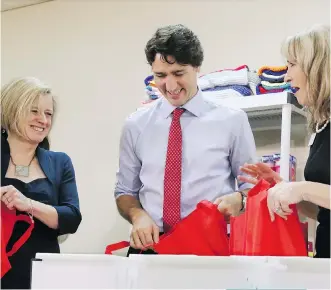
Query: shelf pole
(285, 142)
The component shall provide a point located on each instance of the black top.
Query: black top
(318, 170)
(59, 190)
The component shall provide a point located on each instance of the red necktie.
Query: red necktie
(173, 173)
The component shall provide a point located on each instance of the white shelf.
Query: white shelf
(255, 102)
(267, 112)
(264, 111)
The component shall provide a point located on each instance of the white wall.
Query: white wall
(92, 54)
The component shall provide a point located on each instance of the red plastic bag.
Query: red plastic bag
(254, 234)
(8, 220)
(202, 233)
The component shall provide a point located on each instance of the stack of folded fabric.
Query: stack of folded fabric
(226, 83)
(272, 80)
(152, 92)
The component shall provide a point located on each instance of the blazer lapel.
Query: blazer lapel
(46, 164)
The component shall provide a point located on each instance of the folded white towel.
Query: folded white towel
(273, 77)
(223, 78)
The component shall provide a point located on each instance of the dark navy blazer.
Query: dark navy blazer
(60, 190)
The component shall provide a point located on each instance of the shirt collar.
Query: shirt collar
(195, 106)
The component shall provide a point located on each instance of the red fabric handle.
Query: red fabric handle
(20, 242)
(117, 246)
(260, 187)
(206, 204)
(209, 208)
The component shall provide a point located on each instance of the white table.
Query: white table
(235, 272)
(83, 271)
(177, 272)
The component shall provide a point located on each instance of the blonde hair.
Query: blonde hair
(17, 99)
(311, 51)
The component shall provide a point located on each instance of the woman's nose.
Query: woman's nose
(42, 119)
(287, 78)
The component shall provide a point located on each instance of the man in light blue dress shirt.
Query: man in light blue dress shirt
(217, 140)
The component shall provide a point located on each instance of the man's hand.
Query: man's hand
(229, 204)
(144, 232)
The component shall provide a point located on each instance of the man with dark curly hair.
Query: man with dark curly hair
(180, 150)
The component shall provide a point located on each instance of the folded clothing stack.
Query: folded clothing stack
(272, 80)
(226, 83)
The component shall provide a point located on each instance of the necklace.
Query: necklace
(323, 127)
(22, 170)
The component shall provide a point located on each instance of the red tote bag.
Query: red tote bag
(8, 220)
(202, 233)
(254, 234)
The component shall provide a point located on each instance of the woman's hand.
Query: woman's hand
(257, 172)
(282, 195)
(14, 199)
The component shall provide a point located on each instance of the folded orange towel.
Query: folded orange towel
(271, 68)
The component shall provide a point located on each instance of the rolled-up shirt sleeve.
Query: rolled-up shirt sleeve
(243, 149)
(68, 207)
(128, 173)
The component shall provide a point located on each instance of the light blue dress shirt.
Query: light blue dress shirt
(217, 140)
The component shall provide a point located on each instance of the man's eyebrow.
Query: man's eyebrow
(173, 72)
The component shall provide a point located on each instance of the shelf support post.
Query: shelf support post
(285, 142)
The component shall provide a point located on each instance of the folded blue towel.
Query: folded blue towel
(272, 80)
(148, 79)
(274, 73)
(243, 90)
